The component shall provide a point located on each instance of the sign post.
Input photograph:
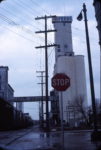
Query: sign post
(61, 82)
(62, 123)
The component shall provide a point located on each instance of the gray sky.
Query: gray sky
(18, 41)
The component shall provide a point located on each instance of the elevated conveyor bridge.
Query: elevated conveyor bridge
(28, 99)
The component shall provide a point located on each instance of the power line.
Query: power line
(11, 13)
(25, 5)
(22, 5)
(12, 22)
(22, 19)
(22, 10)
(51, 60)
(19, 34)
(18, 25)
(39, 6)
(50, 53)
(29, 11)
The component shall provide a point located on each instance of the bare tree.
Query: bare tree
(80, 108)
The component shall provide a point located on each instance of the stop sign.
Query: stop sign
(60, 82)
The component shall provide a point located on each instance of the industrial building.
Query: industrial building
(6, 91)
(73, 66)
(10, 117)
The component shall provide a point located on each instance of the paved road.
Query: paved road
(33, 139)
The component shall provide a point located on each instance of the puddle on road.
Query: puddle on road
(41, 135)
(54, 141)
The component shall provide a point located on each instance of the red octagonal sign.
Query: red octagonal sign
(60, 82)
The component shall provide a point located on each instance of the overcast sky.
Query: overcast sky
(18, 41)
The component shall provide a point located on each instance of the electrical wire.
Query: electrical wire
(22, 19)
(39, 6)
(12, 22)
(30, 10)
(18, 34)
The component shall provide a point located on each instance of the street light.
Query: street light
(80, 17)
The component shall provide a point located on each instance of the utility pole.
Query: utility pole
(42, 89)
(90, 69)
(84, 10)
(45, 18)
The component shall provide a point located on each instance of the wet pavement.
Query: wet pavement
(34, 139)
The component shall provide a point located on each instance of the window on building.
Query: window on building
(64, 24)
(71, 54)
(59, 50)
(65, 46)
(58, 46)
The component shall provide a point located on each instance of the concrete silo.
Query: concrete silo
(73, 66)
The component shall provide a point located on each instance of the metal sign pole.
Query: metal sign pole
(61, 82)
(62, 125)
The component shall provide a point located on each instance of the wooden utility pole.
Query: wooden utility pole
(42, 89)
(45, 18)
